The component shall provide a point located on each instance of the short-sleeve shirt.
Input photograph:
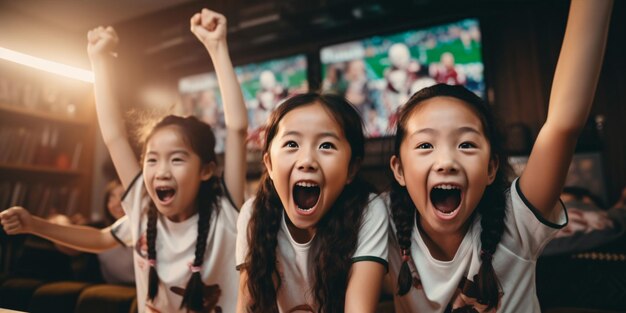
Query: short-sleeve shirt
(294, 265)
(116, 265)
(442, 286)
(176, 246)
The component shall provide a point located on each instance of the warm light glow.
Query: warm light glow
(45, 65)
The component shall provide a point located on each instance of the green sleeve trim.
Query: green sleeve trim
(372, 259)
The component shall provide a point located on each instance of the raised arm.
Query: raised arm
(210, 28)
(101, 44)
(572, 94)
(17, 220)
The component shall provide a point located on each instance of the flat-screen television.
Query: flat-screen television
(264, 86)
(378, 74)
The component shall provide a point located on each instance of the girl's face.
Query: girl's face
(444, 163)
(309, 163)
(173, 173)
(114, 202)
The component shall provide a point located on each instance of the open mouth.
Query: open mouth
(165, 194)
(306, 195)
(446, 198)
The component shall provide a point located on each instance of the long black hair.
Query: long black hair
(200, 138)
(491, 206)
(337, 232)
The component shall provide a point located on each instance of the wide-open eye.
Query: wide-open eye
(328, 146)
(290, 144)
(424, 145)
(467, 145)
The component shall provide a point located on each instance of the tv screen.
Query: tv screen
(264, 86)
(378, 74)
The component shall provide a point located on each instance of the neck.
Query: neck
(442, 247)
(299, 235)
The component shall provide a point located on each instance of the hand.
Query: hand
(210, 28)
(101, 42)
(16, 220)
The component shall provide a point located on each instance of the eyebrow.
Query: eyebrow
(185, 152)
(460, 130)
(320, 135)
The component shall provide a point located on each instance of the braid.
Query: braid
(492, 211)
(151, 234)
(403, 214)
(263, 278)
(207, 201)
(338, 234)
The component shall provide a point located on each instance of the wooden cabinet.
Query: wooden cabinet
(47, 131)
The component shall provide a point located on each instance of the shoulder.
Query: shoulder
(245, 213)
(377, 206)
(136, 187)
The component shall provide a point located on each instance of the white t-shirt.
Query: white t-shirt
(175, 248)
(441, 284)
(116, 265)
(294, 265)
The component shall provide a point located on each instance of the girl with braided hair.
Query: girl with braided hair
(315, 238)
(182, 216)
(462, 238)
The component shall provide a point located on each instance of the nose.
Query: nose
(445, 163)
(307, 160)
(163, 171)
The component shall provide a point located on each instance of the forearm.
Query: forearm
(111, 121)
(107, 106)
(579, 64)
(236, 118)
(235, 114)
(83, 238)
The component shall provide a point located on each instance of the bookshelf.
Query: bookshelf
(47, 131)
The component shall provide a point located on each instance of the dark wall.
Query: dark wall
(521, 50)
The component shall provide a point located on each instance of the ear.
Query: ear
(494, 163)
(354, 168)
(207, 171)
(268, 164)
(396, 168)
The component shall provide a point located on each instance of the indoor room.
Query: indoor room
(117, 193)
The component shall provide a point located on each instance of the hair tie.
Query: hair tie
(485, 255)
(152, 262)
(406, 255)
(194, 269)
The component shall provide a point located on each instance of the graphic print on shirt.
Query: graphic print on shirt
(211, 293)
(210, 296)
(465, 298)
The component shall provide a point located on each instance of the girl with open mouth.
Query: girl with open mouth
(176, 206)
(464, 238)
(314, 239)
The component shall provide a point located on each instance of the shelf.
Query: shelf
(41, 115)
(37, 169)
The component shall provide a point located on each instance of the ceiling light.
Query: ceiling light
(45, 65)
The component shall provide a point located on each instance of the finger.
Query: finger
(195, 20)
(209, 19)
(13, 225)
